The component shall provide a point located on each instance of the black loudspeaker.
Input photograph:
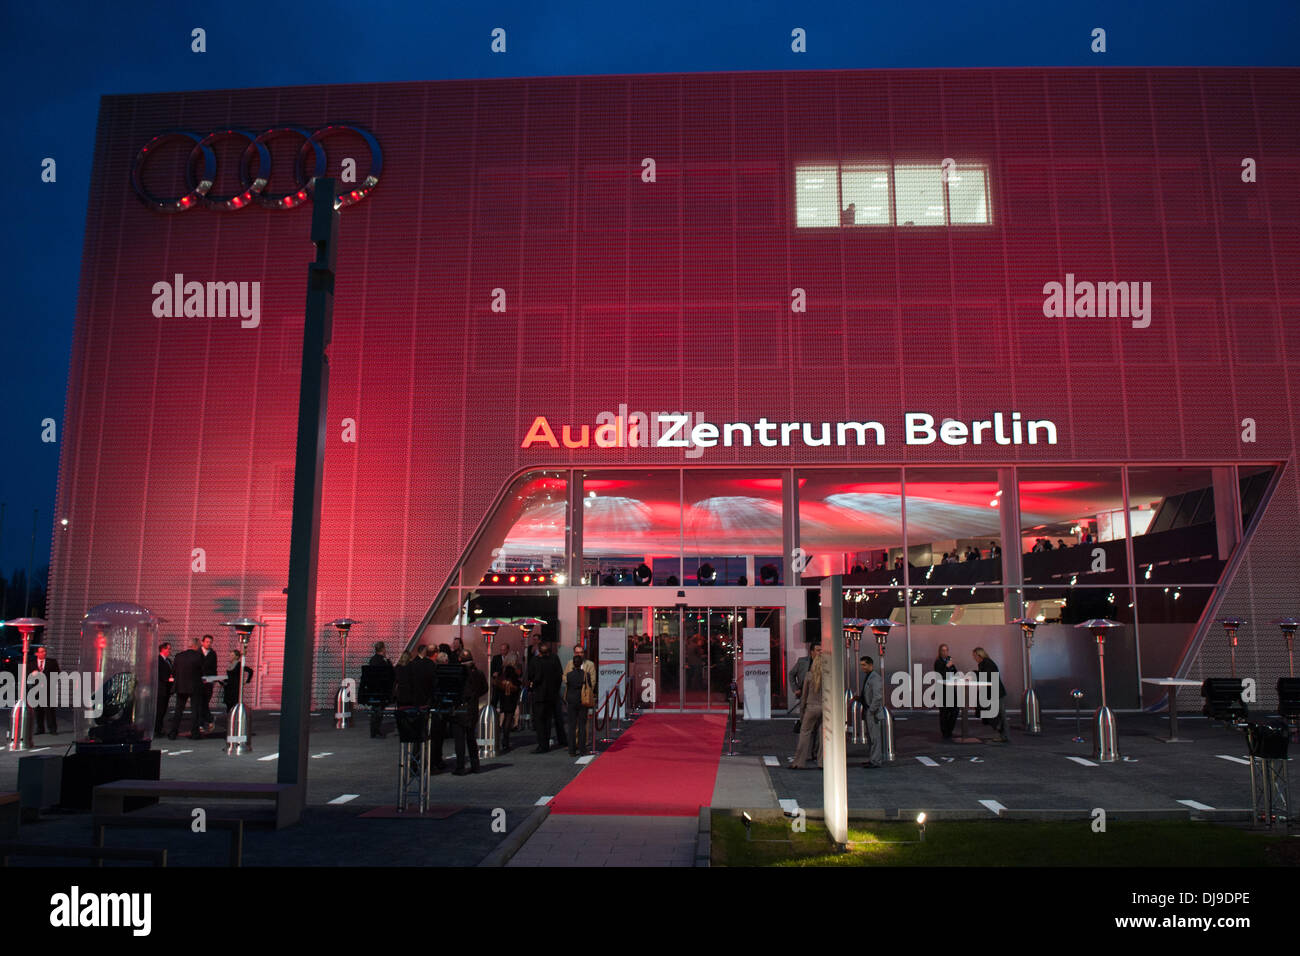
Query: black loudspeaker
(1223, 698)
(1267, 740)
(89, 767)
(1288, 697)
(376, 688)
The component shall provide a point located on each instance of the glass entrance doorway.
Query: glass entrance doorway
(688, 656)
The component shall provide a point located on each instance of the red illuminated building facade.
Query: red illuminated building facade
(661, 352)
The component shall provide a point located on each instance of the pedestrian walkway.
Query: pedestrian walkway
(588, 840)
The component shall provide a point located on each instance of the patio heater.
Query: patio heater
(487, 718)
(1288, 626)
(1105, 744)
(238, 731)
(853, 628)
(343, 700)
(1230, 624)
(1029, 703)
(21, 726)
(880, 628)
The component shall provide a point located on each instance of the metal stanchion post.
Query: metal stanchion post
(1029, 704)
(1105, 746)
(1077, 696)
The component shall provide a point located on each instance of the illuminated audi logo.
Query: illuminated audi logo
(254, 169)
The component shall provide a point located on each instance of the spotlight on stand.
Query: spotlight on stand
(920, 822)
(643, 575)
(749, 822)
(1223, 699)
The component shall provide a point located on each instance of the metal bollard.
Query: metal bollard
(1078, 700)
(487, 732)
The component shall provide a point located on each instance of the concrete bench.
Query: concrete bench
(98, 853)
(144, 821)
(10, 815)
(109, 798)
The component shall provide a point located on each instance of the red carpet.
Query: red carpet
(665, 765)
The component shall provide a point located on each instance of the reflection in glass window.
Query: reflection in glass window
(630, 517)
(850, 522)
(524, 536)
(968, 195)
(1072, 526)
(733, 527)
(919, 195)
(816, 196)
(1183, 542)
(954, 526)
(864, 196)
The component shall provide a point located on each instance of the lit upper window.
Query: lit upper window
(878, 194)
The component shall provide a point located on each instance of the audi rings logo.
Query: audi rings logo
(254, 168)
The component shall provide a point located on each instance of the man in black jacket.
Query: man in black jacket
(211, 668)
(463, 721)
(189, 690)
(544, 678)
(47, 667)
(166, 683)
(384, 678)
(422, 676)
(944, 666)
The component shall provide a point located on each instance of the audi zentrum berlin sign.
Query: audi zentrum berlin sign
(255, 168)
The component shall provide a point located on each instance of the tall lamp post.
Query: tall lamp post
(1105, 743)
(21, 726)
(488, 719)
(880, 628)
(1288, 626)
(238, 731)
(342, 709)
(1029, 705)
(1230, 624)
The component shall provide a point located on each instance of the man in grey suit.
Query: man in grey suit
(872, 699)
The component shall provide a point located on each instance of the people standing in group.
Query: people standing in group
(811, 697)
(987, 666)
(211, 668)
(166, 684)
(466, 715)
(231, 692)
(47, 667)
(579, 697)
(385, 677)
(944, 666)
(871, 696)
(189, 690)
(544, 679)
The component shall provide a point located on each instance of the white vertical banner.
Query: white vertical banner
(835, 798)
(611, 664)
(756, 659)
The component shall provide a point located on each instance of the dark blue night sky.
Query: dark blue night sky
(59, 58)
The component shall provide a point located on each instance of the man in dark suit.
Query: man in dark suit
(462, 723)
(944, 666)
(545, 675)
(166, 684)
(384, 677)
(189, 690)
(211, 668)
(48, 667)
(422, 676)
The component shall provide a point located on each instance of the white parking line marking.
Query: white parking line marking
(586, 760)
(1195, 805)
(328, 753)
(543, 801)
(1081, 761)
(1234, 759)
(790, 806)
(771, 761)
(994, 806)
(928, 761)
(36, 750)
(345, 798)
(269, 757)
(177, 753)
